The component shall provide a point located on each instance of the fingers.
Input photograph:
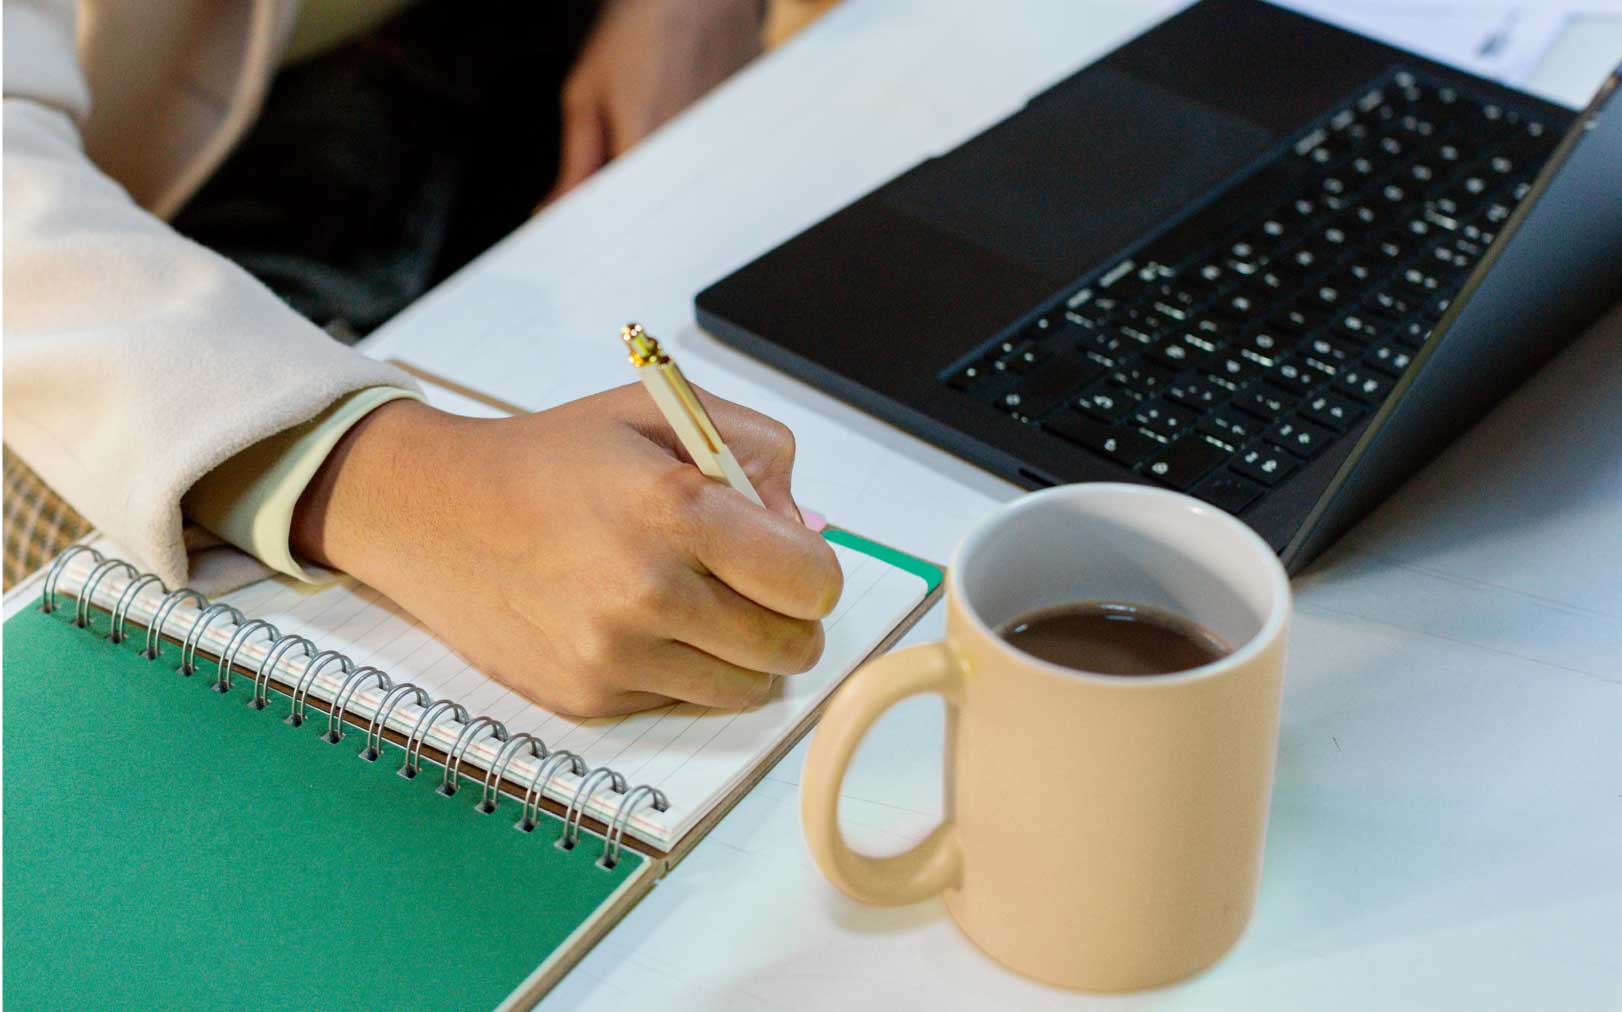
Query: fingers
(721, 622)
(764, 448)
(764, 556)
(685, 672)
(585, 141)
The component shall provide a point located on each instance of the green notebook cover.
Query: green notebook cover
(167, 846)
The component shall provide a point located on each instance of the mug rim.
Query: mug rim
(1278, 583)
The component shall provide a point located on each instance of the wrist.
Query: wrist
(374, 481)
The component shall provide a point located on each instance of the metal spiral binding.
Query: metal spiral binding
(490, 793)
(199, 626)
(273, 657)
(121, 610)
(414, 741)
(464, 741)
(346, 691)
(81, 610)
(306, 681)
(380, 720)
(622, 818)
(552, 763)
(537, 785)
(576, 811)
(53, 576)
(171, 601)
(239, 639)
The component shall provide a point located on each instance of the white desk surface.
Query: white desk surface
(1447, 823)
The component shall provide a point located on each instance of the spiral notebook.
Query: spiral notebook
(297, 797)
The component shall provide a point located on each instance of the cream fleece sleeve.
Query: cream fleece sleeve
(136, 361)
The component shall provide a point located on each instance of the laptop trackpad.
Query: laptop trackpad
(1085, 169)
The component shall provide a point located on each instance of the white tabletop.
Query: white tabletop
(1447, 823)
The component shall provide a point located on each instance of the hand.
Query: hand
(645, 61)
(575, 554)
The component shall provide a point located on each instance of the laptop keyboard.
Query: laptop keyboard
(1221, 368)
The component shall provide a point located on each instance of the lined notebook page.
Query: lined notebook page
(694, 754)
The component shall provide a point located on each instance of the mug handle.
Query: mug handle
(934, 864)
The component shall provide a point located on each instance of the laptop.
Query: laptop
(1248, 255)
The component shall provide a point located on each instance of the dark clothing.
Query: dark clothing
(379, 168)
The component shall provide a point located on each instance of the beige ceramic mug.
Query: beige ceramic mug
(1102, 832)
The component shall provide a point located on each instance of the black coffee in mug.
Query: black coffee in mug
(1114, 638)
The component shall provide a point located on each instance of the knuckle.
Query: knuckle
(653, 598)
(779, 437)
(598, 650)
(578, 696)
(677, 497)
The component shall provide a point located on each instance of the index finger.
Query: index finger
(765, 556)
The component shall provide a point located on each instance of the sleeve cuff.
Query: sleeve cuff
(249, 500)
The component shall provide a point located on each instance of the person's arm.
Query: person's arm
(136, 361)
(576, 554)
(571, 553)
(644, 62)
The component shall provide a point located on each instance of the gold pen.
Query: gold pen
(681, 408)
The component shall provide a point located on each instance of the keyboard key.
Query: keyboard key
(1185, 462)
(1419, 282)
(1164, 418)
(1328, 352)
(1295, 319)
(1104, 343)
(1045, 387)
(1176, 353)
(1299, 436)
(1364, 384)
(1389, 359)
(1296, 376)
(1231, 368)
(1143, 377)
(1199, 393)
(1266, 464)
(1332, 410)
(1021, 358)
(1326, 296)
(1109, 401)
(1265, 402)
(1013, 402)
(1227, 491)
(1413, 334)
(1230, 426)
(1435, 306)
(1210, 329)
(1238, 307)
(1265, 345)
(970, 376)
(1118, 443)
(1391, 305)
(1358, 328)
(1090, 314)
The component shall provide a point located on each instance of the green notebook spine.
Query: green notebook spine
(282, 652)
